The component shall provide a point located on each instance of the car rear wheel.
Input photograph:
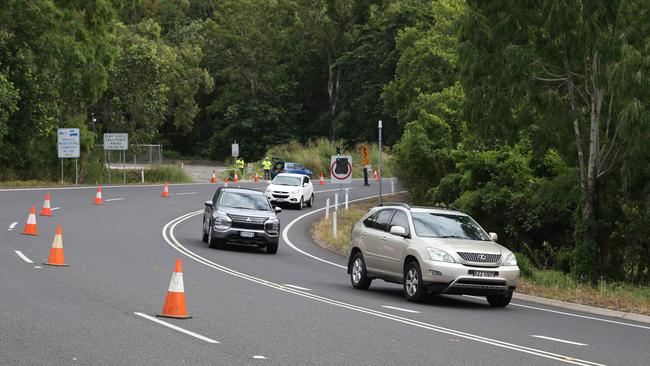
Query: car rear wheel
(414, 289)
(272, 248)
(310, 203)
(500, 301)
(358, 274)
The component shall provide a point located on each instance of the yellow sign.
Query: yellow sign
(365, 156)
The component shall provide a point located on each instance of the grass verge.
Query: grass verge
(537, 282)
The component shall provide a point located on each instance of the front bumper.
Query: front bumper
(234, 236)
(459, 279)
(276, 197)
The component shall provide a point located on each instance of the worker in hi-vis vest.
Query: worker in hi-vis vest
(240, 166)
(266, 165)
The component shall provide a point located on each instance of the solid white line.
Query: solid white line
(559, 340)
(55, 208)
(12, 226)
(172, 326)
(297, 287)
(174, 243)
(259, 357)
(581, 316)
(184, 193)
(104, 187)
(285, 233)
(24, 257)
(400, 309)
(114, 199)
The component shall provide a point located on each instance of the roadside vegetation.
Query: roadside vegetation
(552, 284)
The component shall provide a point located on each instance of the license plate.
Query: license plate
(483, 274)
(247, 234)
(279, 199)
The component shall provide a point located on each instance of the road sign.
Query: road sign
(116, 141)
(341, 169)
(249, 168)
(365, 156)
(68, 142)
(235, 150)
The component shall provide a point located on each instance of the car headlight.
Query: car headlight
(222, 221)
(272, 226)
(439, 255)
(296, 191)
(268, 189)
(510, 260)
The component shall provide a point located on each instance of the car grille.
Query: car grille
(280, 195)
(247, 222)
(480, 257)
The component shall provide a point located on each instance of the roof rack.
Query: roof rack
(444, 207)
(401, 204)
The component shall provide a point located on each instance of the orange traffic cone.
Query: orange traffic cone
(165, 193)
(322, 180)
(257, 178)
(56, 252)
(175, 302)
(236, 179)
(46, 210)
(225, 180)
(30, 226)
(98, 196)
(214, 178)
(376, 175)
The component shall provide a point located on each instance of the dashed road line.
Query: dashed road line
(185, 193)
(55, 208)
(114, 199)
(559, 340)
(23, 257)
(12, 226)
(259, 357)
(172, 326)
(297, 287)
(400, 309)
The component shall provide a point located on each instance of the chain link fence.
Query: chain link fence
(136, 156)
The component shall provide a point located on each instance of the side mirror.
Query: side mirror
(305, 184)
(208, 203)
(398, 230)
(494, 236)
(278, 209)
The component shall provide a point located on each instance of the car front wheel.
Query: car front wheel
(310, 203)
(272, 248)
(301, 203)
(358, 274)
(414, 289)
(205, 234)
(500, 301)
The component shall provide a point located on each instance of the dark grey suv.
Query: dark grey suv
(241, 216)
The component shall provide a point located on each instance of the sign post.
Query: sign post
(365, 161)
(68, 147)
(120, 142)
(235, 149)
(341, 169)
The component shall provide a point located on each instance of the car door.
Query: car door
(393, 248)
(207, 214)
(307, 188)
(375, 236)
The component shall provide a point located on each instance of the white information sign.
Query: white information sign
(116, 141)
(249, 168)
(235, 150)
(68, 142)
(341, 169)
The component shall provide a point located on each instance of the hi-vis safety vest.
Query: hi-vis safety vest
(266, 164)
(240, 164)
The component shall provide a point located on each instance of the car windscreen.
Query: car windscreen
(283, 180)
(244, 200)
(438, 225)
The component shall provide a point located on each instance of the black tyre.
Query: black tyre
(310, 203)
(212, 241)
(500, 301)
(205, 234)
(358, 274)
(300, 204)
(414, 289)
(272, 248)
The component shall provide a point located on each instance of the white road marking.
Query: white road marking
(174, 243)
(559, 340)
(297, 287)
(259, 357)
(581, 316)
(329, 190)
(172, 326)
(114, 199)
(23, 257)
(12, 226)
(55, 208)
(184, 193)
(38, 267)
(285, 233)
(400, 309)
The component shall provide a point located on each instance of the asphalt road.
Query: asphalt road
(293, 308)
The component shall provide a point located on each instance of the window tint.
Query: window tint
(215, 198)
(400, 219)
(289, 166)
(306, 180)
(383, 219)
(370, 221)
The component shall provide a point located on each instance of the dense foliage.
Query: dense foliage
(530, 115)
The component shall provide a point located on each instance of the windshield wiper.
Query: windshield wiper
(453, 237)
